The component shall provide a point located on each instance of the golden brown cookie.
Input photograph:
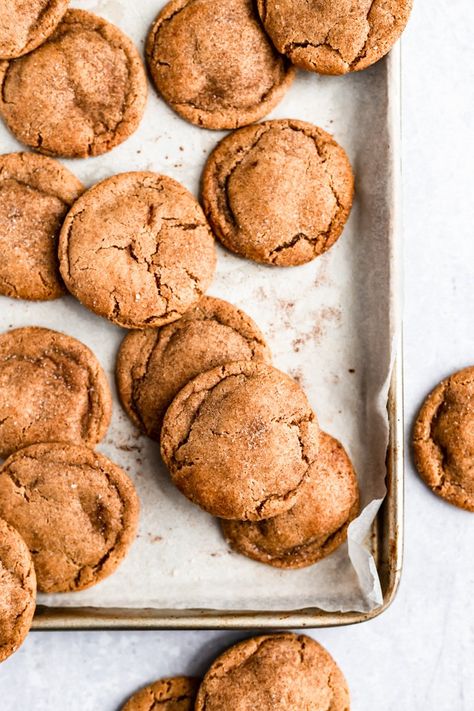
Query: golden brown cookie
(51, 388)
(334, 37)
(76, 510)
(25, 24)
(280, 672)
(137, 249)
(443, 439)
(279, 192)
(17, 590)
(214, 64)
(80, 94)
(153, 365)
(35, 194)
(239, 441)
(315, 526)
(175, 694)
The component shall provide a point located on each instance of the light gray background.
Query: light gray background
(420, 654)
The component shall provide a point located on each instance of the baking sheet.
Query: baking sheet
(330, 325)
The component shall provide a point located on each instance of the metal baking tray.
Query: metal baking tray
(386, 540)
(387, 533)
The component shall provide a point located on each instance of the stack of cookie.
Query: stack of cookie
(280, 672)
(237, 435)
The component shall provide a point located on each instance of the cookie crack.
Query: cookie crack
(349, 64)
(289, 244)
(223, 182)
(148, 262)
(9, 286)
(363, 52)
(157, 703)
(281, 497)
(290, 47)
(197, 412)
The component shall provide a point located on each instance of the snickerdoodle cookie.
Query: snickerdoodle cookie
(17, 590)
(153, 365)
(239, 441)
(317, 523)
(76, 510)
(175, 694)
(79, 94)
(25, 24)
(136, 249)
(51, 388)
(214, 64)
(280, 672)
(443, 439)
(334, 37)
(35, 194)
(278, 192)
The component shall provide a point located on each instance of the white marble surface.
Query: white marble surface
(420, 654)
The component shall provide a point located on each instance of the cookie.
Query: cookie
(278, 192)
(175, 694)
(26, 25)
(17, 590)
(76, 510)
(239, 441)
(137, 249)
(315, 526)
(214, 64)
(51, 388)
(35, 194)
(153, 365)
(334, 37)
(79, 94)
(443, 439)
(280, 672)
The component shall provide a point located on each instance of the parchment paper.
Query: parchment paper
(330, 325)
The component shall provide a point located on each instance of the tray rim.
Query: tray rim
(387, 532)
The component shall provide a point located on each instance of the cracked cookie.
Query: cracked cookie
(175, 694)
(214, 64)
(17, 590)
(239, 441)
(77, 511)
(250, 197)
(443, 439)
(136, 249)
(35, 194)
(153, 365)
(334, 37)
(279, 672)
(26, 25)
(51, 388)
(79, 94)
(315, 526)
